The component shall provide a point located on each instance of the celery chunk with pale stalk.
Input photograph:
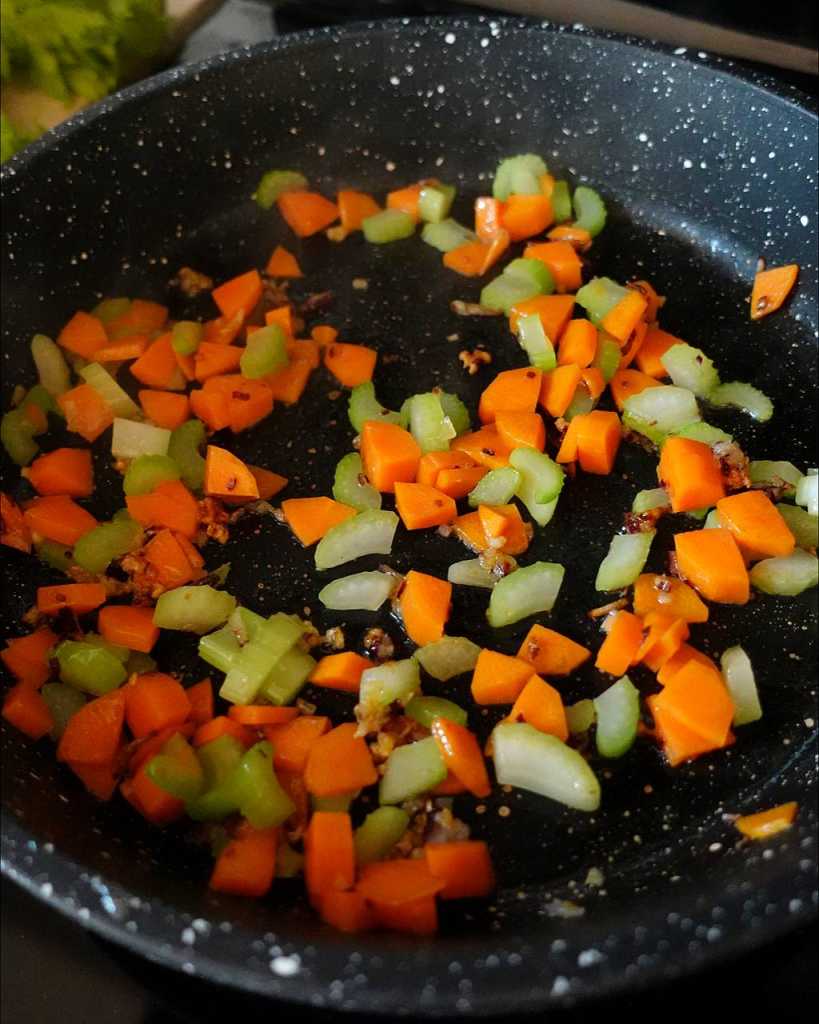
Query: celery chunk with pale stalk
(392, 681)
(658, 412)
(351, 487)
(435, 202)
(617, 711)
(589, 210)
(540, 763)
(183, 448)
(738, 674)
(646, 501)
(745, 397)
(535, 343)
(580, 717)
(807, 492)
(770, 473)
(626, 557)
(364, 591)
(428, 424)
(146, 472)
(527, 591)
(288, 676)
(275, 183)
(89, 667)
(521, 279)
(363, 406)
(368, 533)
(607, 357)
(448, 657)
(497, 487)
(265, 352)
(52, 369)
(689, 367)
(193, 609)
(95, 550)
(471, 572)
(541, 481)
(705, 432)
(599, 297)
(787, 576)
(388, 226)
(447, 235)
(455, 409)
(803, 526)
(378, 833)
(519, 175)
(411, 769)
(426, 709)
(130, 439)
(117, 399)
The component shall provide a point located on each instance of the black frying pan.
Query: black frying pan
(703, 172)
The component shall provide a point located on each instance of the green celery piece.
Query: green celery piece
(527, 591)
(95, 550)
(388, 226)
(607, 357)
(219, 758)
(497, 487)
(265, 352)
(618, 715)
(624, 561)
(112, 309)
(350, 486)
(378, 833)
(471, 573)
(289, 863)
(745, 397)
(521, 279)
(183, 448)
(253, 666)
(589, 210)
(540, 763)
(775, 474)
(363, 406)
(42, 399)
(689, 367)
(561, 201)
(391, 681)
(55, 555)
(410, 770)
(803, 526)
(288, 676)
(426, 709)
(535, 343)
(807, 492)
(457, 412)
(645, 501)
(275, 183)
(186, 336)
(63, 701)
(539, 476)
(428, 424)
(177, 769)
(738, 674)
(705, 432)
(261, 798)
(712, 521)
(519, 175)
(658, 412)
(435, 202)
(89, 667)
(17, 434)
(581, 403)
(118, 400)
(197, 609)
(447, 235)
(130, 439)
(364, 591)
(787, 576)
(146, 472)
(139, 662)
(580, 717)
(448, 657)
(216, 803)
(220, 649)
(368, 533)
(599, 297)
(120, 653)
(52, 369)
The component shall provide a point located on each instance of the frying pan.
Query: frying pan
(703, 171)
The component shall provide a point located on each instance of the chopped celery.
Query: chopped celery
(690, 367)
(219, 758)
(265, 352)
(111, 309)
(428, 424)
(120, 653)
(498, 487)
(745, 397)
(261, 798)
(131, 439)
(657, 412)
(17, 437)
(183, 448)
(197, 609)
(290, 673)
(363, 406)
(146, 472)
(539, 477)
(561, 201)
(626, 557)
(775, 474)
(448, 657)
(177, 769)
(63, 701)
(541, 763)
(350, 486)
(392, 681)
(519, 175)
(95, 550)
(705, 432)
(89, 667)
(275, 183)
(368, 533)
(807, 492)
(528, 591)
(186, 336)
(645, 501)
(533, 340)
(580, 717)
(139, 662)
(388, 226)
(447, 235)
(787, 576)
(455, 409)
(55, 555)
(589, 210)
(254, 665)
(738, 674)
(119, 401)
(617, 710)
(803, 526)
(712, 521)
(581, 403)
(220, 649)
(52, 369)
(471, 572)
(426, 709)
(607, 357)
(599, 297)
(435, 202)
(365, 591)
(521, 279)
(378, 833)
(410, 770)
(42, 399)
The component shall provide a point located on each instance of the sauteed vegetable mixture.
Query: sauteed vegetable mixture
(275, 786)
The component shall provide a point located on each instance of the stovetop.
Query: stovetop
(53, 971)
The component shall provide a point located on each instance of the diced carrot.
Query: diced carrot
(470, 529)
(311, 518)
(679, 659)
(465, 867)
(295, 740)
(578, 343)
(667, 594)
(63, 471)
(698, 699)
(93, 734)
(771, 288)
(713, 563)
(499, 678)
(665, 637)
(626, 383)
(143, 316)
(304, 350)
(347, 912)
(323, 334)
(417, 917)
(14, 531)
(526, 216)
(223, 330)
(690, 473)
(247, 865)
(593, 381)
(157, 366)
(240, 294)
(226, 476)
(432, 463)
(578, 238)
(679, 742)
(567, 452)
(211, 407)
(488, 217)
(329, 854)
(562, 260)
(185, 365)
(25, 709)
(451, 786)
(654, 301)
(757, 525)
(484, 446)
(462, 755)
(623, 641)
(283, 263)
(83, 335)
(406, 199)
(287, 385)
(340, 671)
(620, 321)
(171, 561)
(351, 365)
(153, 803)
(633, 345)
(282, 316)
(200, 698)
(424, 603)
(554, 311)
(170, 504)
(268, 483)
(656, 343)
(550, 653)
(86, 412)
(354, 207)
(598, 437)
(155, 701)
(558, 389)
(510, 391)
(99, 779)
(765, 824)
(212, 360)
(457, 483)
(221, 725)
(421, 506)
(164, 408)
(128, 625)
(541, 706)
(306, 213)
(390, 455)
(77, 597)
(390, 883)
(58, 518)
(246, 402)
(467, 259)
(339, 762)
(495, 524)
(27, 657)
(521, 429)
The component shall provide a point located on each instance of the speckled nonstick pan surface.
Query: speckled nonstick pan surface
(703, 172)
